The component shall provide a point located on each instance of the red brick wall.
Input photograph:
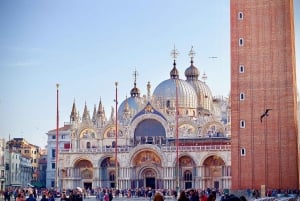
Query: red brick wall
(269, 81)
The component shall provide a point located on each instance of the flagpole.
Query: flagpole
(116, 136)
(57, 127)
(177, 140)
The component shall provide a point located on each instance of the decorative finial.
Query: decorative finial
(135, 74)
(116, 84)
(174, 53)
(192, 54)
(57, 85)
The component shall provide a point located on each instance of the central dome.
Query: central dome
(164, 94)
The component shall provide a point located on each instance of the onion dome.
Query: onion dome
(174, 74)
(204, 95)
(132, 104)
(192, 72)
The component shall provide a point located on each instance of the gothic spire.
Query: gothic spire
(73, 115)
(85, 115)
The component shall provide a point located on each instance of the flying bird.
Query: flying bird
(264, 114)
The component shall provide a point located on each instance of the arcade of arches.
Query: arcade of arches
(147, 169)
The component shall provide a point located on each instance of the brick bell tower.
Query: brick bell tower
(263, 76)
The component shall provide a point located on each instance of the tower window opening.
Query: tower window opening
(241, 42)
(242, 68)
(242, 96)
(242, 124)
(243, 152)
(241, 16)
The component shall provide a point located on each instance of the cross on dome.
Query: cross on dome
(174, 53)
(192, 53)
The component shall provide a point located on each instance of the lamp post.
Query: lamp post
(116, 138)
(57, 127)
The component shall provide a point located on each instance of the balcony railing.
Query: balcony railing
(127, 149)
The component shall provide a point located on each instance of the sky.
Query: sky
(86, 46)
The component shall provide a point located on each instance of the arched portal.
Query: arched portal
(84, 173)
(147, 166)
(108, 172)
(187, 172)
(213, 171)
(149, 178)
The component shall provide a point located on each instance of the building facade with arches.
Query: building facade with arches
(176, 137)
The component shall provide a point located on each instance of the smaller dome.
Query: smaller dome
(192, 72)
(132, 105)
(135, 92)
(174, 73)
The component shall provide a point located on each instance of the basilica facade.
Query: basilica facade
(177, 137)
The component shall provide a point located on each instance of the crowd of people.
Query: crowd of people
(107, 194)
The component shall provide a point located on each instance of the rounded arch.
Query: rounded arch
(87, 133)
(213, 129)
(148, 147)
(213, 160)
(107, 161)
(149, 127)
(85, 168)
(184, 157)
(187, 129)
(81, 162)
(186, 161)
(110, 132)
(107, 170)
(146, 157)
(148, 172)
(141, 118)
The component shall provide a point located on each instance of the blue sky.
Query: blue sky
(86, 46)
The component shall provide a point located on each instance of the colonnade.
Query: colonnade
(128, 178)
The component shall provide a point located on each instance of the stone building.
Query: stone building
(176, 137)
(2, 164)
(22, 162)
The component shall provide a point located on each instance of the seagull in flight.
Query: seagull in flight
(264, 114)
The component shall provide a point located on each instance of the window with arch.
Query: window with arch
(88, 145)
(188, 176)
(242, 124)
(111, 176)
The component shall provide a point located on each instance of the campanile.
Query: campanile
(263, 76)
